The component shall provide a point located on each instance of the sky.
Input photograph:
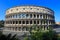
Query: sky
(52, 4)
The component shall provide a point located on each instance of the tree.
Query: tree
(38, 34)
(1, 23)
(8, 37)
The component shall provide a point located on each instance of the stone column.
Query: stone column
(12, 22)
(10, 28)
(29, 21)
(36, 15)
(39, 16)
(42, 16)
(39, 22)
(45, 16)
(18, 21)
(32, 21)
(21, 28)
(32, 16)
(36, 21)
(21, 22)
(48, 22)
(29, 15)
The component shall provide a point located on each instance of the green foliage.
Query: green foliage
(38, 34)
(0, 33)
(26, 38)
(1, 23)
(8, 37)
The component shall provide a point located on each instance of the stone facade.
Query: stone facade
(20, 18)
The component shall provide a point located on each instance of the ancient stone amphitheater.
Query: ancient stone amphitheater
(20, 18)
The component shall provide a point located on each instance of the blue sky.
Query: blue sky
(53, 4)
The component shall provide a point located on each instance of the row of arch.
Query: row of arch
(24, 15)
(30, 22)
(26, 28)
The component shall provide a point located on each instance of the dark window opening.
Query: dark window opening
(19, 22)
(37, 22)
(47, 28)
(37, 16)
(34, 15)
(41, 16)
(31, 22)
(23, 22)
(30, 15)
(34, 22)
(27, 22)
(27, 15)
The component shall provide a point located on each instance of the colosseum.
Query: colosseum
(21, 18)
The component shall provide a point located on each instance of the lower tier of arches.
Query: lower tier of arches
(25, 28)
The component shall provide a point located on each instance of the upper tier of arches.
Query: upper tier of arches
(38, 9)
